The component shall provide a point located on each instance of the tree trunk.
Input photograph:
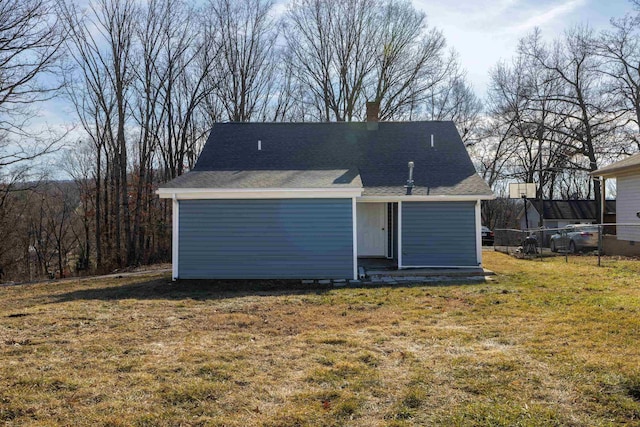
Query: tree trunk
(98, 210)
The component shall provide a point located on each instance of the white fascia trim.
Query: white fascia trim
(355, 238)
(258, 193)
(373, 199)
(478, 234)
(175, 231)
(400, 266)
(622, 172)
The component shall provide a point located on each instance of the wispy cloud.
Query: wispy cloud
(546, 16)
(475, 11)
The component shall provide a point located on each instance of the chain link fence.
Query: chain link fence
(599, 242)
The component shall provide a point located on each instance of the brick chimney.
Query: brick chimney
(373, 111)
(373, 115)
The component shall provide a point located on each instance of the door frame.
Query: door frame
(385, 211)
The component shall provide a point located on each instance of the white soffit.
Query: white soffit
(258, 193)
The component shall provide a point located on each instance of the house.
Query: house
(560, 213)
(307, 200)
(555, 214)
(627, 175)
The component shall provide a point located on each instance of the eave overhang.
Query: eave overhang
(257, 193)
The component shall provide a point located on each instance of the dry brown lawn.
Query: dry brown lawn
(541, 343)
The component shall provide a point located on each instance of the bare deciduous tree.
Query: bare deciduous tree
(100, 42)
(244, 77)
(343, 53)
(310, 29)
(411, 65)
(590, 119)
(455, 100)
(187, 61)
(30, 39)
(58, 206)
(80, 165)
(620, 48)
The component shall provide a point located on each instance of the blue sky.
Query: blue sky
(487, 31)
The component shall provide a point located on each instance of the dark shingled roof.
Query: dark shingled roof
(572, 209)
(377, 158)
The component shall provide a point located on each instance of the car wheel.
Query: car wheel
(553, 247)
(572, 248)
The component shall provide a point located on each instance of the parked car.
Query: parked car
(487, 236)
(575, 238)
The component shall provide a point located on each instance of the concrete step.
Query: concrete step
(431, 272)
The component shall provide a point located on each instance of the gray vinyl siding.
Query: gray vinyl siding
(628, 204)
(439, 234)
(263, 239)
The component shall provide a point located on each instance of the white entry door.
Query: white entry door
(372, 229)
